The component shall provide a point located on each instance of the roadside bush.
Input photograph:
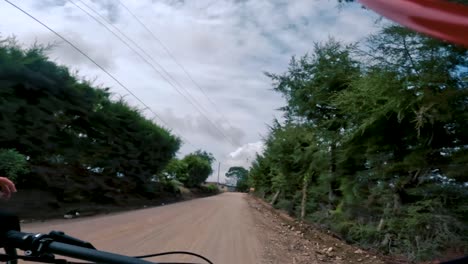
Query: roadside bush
(210, 188)
(150, 191)
(366, 234)
(173, 186)
(420, 234)
(284, 204)
(242, 185)
(59, 120)
(262, 192)
(12, 164)
(420, 230)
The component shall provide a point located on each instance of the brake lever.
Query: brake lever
(5, 258)
(42, 259)
(60, 236)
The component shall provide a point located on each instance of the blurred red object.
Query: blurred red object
(437, 18)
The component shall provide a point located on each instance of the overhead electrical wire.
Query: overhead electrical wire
(97, 65)
(176, 61)
(187, 97)
(130, 40)
(148, 55)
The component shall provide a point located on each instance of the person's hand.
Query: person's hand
(7, 187)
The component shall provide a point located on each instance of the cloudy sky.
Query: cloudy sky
(225, 46)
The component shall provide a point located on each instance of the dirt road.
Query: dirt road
(227, 228)
(220, 227)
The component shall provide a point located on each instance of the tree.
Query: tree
(240, 176)
(193, 169)
(259, 175)
(374, 143)
(205, 155)
(413, 91)
(73, 130)
(12, 164)
(309, 86)
(237, 172)
(175, 169)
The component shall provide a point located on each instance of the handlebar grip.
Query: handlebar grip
(16, 239)
(91, 254)
(30, 241)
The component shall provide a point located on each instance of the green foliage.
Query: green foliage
(284, 204)
(311, 80)
(176, 169)
(205, 155)
(192, 170)
(66, 124)
(12, 164)
(243, 185)
(237, 172)
(241, 177)
(377, 140)
(174, 186)
(210, 188)
(198, 170)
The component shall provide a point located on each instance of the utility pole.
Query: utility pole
(219, 167)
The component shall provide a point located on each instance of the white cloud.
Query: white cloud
(225, 45)
(247, 151)
(242, 157)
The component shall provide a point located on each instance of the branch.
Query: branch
(409, 55)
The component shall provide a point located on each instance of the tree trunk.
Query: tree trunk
(382, 220)
(332, 170)
(396, 203)
(331, 196)
(370, 200)
(387, 240)
(305, 185)
(275, 197)
(381, 224)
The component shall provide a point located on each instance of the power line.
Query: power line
(190, 99)
(176, 61)
(96, 64)
(133, 42)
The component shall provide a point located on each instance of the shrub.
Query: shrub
(421, 231)
(210, 188)
(423, 234)
(173, 186)
(284, 204)
(12, 164)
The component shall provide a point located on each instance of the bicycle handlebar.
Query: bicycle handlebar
(92, 254)
(43, 244)
(42, 247)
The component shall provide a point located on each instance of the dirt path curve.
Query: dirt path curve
(220, 227)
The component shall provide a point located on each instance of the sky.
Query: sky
(199, 65)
